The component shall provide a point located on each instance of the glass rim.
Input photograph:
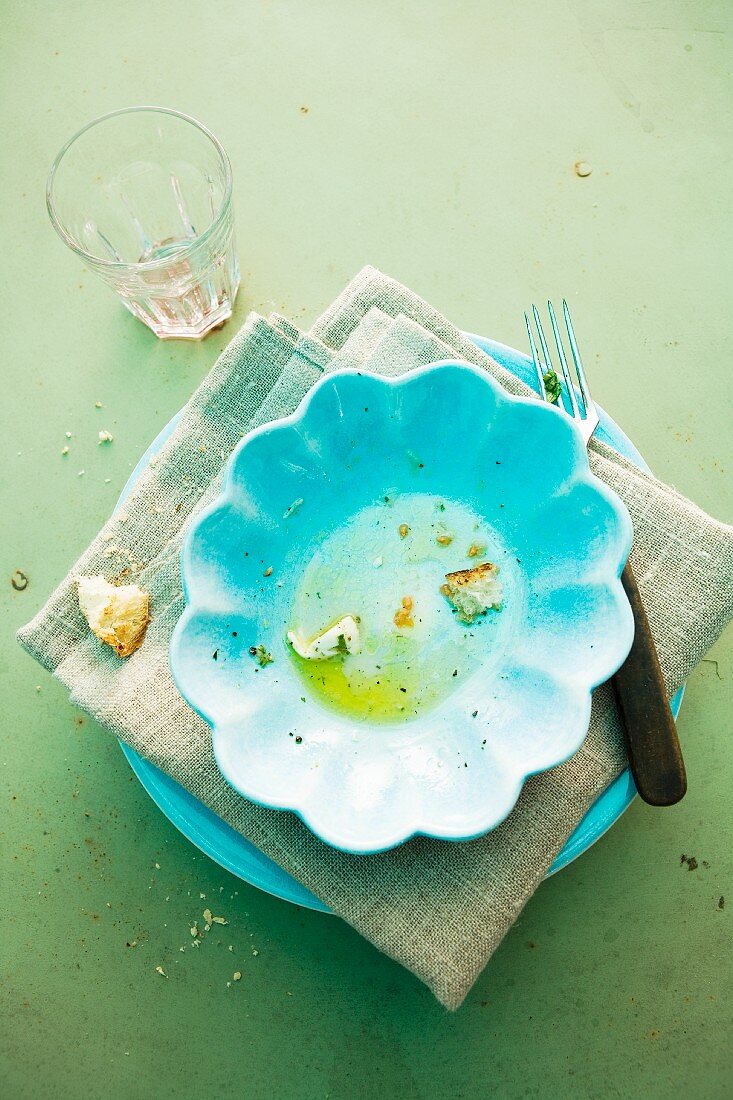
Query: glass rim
(98, 261)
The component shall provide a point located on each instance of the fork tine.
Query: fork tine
(563, 362)
(587, 401)
(536, 360)
(543, 342)
(545, 350)
(546, 353)
(586, 420)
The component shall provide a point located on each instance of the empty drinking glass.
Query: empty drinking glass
(144, 196)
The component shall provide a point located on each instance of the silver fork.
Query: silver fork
(652, 744)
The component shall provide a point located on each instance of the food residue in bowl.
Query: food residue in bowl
(264, 657)
(342, 637)
(473, 591)
(403, 616)
(402, 649)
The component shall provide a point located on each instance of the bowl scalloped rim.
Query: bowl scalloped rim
(417, 828)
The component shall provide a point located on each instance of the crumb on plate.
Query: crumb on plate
(473, 591)
(403, 616)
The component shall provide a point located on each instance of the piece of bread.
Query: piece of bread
(473, 591)
(118, 615)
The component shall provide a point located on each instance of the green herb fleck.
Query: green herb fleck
(262, 655)
(552, 386)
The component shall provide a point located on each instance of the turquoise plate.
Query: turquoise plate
(232, 851)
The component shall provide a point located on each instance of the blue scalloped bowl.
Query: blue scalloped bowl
(462, 715)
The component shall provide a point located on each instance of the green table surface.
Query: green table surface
(437, 141)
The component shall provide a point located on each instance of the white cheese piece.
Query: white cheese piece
(328, 644)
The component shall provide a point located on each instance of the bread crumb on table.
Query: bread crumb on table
(118, 615)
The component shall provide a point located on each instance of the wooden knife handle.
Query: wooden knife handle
(652, 744)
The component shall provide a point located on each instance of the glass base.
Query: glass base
(209, 324)
(192, 316)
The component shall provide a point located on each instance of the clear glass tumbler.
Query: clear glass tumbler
(144, 196)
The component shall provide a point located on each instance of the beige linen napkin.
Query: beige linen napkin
(440, 909)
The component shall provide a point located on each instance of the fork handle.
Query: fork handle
(652, 744)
